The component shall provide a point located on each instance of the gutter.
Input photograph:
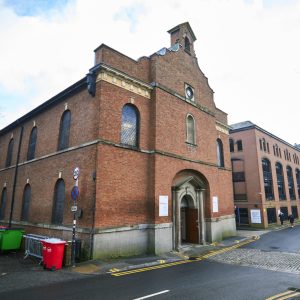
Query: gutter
(15, 176)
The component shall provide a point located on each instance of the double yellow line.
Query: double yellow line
(180, 262)
(289, 294)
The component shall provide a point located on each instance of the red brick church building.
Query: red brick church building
(151, 146)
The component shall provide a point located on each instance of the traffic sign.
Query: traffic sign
(75, 192)
(74, 208)
(76, 173)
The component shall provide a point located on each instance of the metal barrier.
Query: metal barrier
(34, 246)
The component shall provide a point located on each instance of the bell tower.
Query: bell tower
(184, 35)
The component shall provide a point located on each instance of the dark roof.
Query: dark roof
(181, 25)
(71, 90)
(247, 125)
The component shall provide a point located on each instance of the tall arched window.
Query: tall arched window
(280, 181)
(9, 153)
(130, 126)
(26, 202)
(268, 182)
(64, 130)
(290, 180)
(298, 181)
(32, 144)
(3, 204)
(220, 153)
(190, 130)
(59, 202)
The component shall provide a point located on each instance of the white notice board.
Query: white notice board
(215, 201)
(255, 216)
(163, 206)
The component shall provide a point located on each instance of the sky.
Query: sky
(248, 49)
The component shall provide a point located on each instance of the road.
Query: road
(249, 272)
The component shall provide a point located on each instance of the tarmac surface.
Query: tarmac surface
(16, 272)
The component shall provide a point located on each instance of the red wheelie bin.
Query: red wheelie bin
(53, 253)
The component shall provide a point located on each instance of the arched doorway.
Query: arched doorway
(188, 193)
(188, 221)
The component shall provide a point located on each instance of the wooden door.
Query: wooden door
(191, 225)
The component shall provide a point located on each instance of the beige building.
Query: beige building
(266, 175)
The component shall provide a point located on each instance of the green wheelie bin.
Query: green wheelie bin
(10, 238)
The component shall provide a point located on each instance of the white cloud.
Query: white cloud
(248, 51)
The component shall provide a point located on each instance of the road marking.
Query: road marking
(152, 295)
(283, 296)
(122, 273)
(180, 262)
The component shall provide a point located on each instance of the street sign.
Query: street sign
(75, 192)
(74, 208)
(76, 173)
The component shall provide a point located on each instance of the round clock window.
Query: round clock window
(189, 93)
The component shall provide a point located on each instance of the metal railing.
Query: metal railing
(34, 246)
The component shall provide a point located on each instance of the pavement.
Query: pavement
(17, 272)
(186, 252)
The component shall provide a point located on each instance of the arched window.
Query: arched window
(239, 144)
(9, 153)
(280, 181)
(64, 130)
(190, 130)
(26, 202)
(231, 145)
(264, 145)
(59, 202)
(298, 181)
(187, 44)
(130, 126)
(220, 153)
(3, 204)
(290, 179)
(268, 182)
(32, 144)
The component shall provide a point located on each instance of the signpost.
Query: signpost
(74, 195)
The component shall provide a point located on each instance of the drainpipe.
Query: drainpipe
(92, 232)
(15, 178)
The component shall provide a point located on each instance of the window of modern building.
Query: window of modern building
(298, 182)
(59, 202)
(32, 144)
(264, 145)
(284, 210)
(190, 130)
(130, 126)
(295, 212)
(238, 176)
(239, 144)
(231, 145)
(280, 181)
(290, 180)
(268, 182)
(271, 214)
(260, 144)
(241, 215)
(9, 153)
(220, 153)
(64, 130)
(26, 202)
(3, 203)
